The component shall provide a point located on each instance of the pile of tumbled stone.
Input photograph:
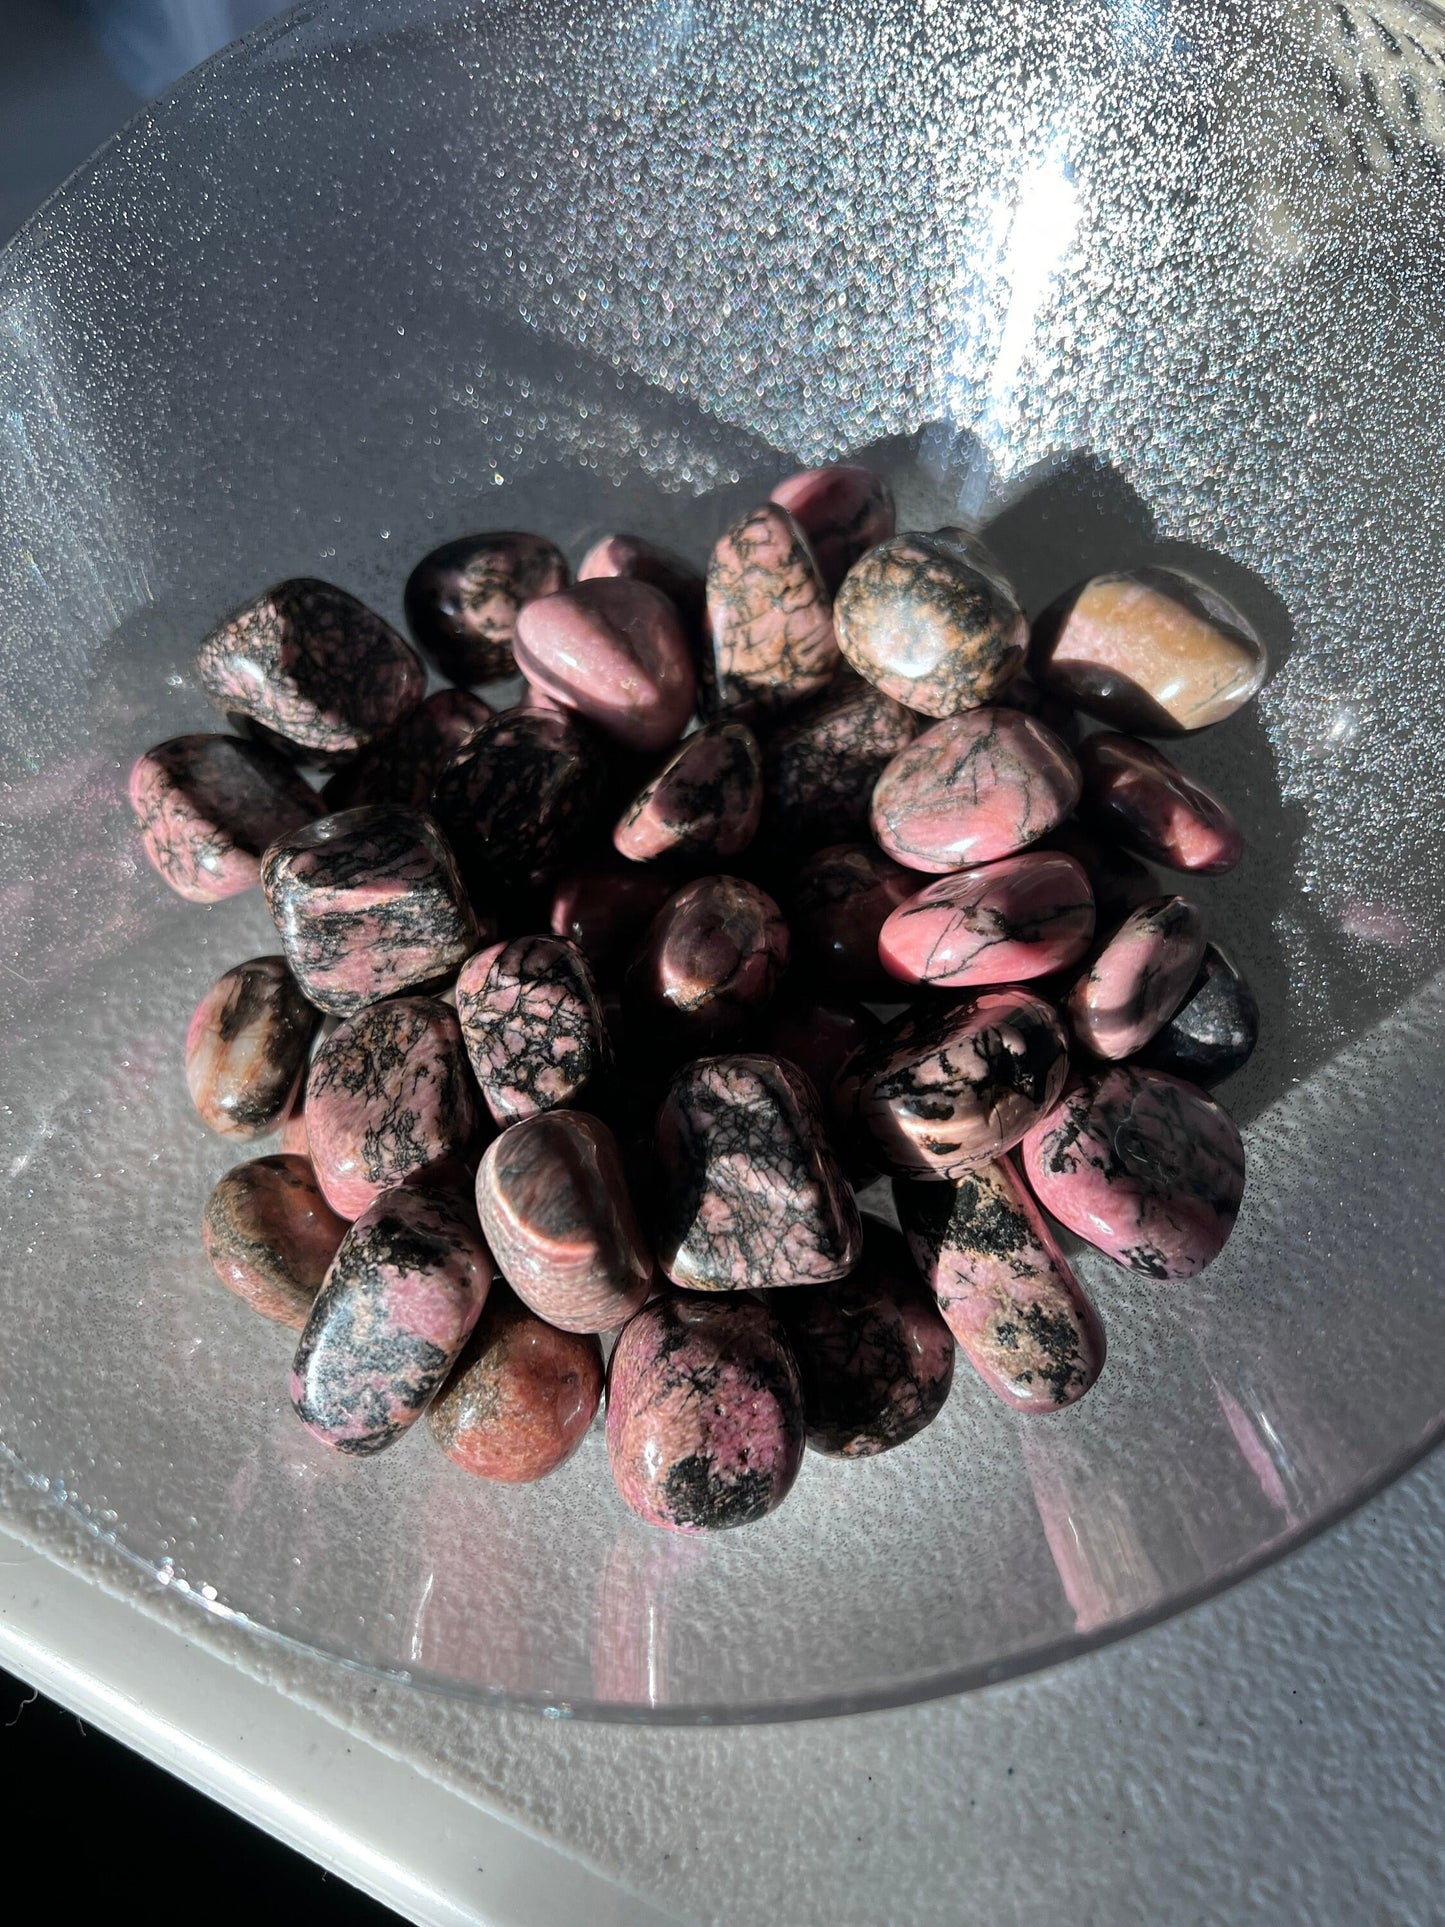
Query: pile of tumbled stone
(574, 1028)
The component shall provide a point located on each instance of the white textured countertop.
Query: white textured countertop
(1277, 1756)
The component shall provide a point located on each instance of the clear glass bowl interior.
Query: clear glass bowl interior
(1119, 281)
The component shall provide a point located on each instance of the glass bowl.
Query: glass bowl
(1120, 282)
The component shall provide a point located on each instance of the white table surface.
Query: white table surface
(1277, 1756)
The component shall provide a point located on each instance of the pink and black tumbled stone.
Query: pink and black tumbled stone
(820, 767)
(463, 599)
(875, 1359)
(521, 1397)
(704, 1413)
(368, 903)
(705, 802)
(1215, 1029)
(388, 1094)
(769, 615)
(999, 923)
(1005, 1289)
(270, 1236)
(840, 900)
(931, 622)
(711, 960)
(312, 664)
(555, 1206)
(403, 766)
(752, 1191)
(209, 806)
(246, 1048)
(973, 788)
(843, 509)
(520, 798)
(1141, 799)
(949, 1086)
(399, 1302)
(1144, 1166)
(1138, 979)
(613, 650)
(532, 1024)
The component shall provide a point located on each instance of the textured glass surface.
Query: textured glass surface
(1123, 281)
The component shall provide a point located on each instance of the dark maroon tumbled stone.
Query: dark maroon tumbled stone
(520, 797)
(606, 910)
(462, 600)
(1134, 793)
(712, 958)
(839, 903)
(820, 767)
(403, 765)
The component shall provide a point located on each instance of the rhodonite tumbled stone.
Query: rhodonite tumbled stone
(311, 663)
(705, 801)
(606, 911)
(1149, 649)
(931, 622)
(246, 1048)
(973, 788)
(557, 1213)
(840, 901)
(1142, 1165)
(638, 560)
(532, 1024)
(403, 765)
(388, 1094)
(463, 599)
(1148, 804)
(613, 649)
(1215, 1029)
(270, 1236)
(1005, 1288)
(949, 1086)
(1001, 923)
(771, 623)
(368, 903)
(753, 1194)
(875, 1359)
(521, 1397)
(819, 769)
(712, 958)
(704, 1413)
(1138, 979)
(843, 509)
(399, 1302)
(519, 798)
(209, 806)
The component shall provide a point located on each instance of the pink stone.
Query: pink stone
(403, 765)
(1000, 923)
(208, 806)
(820, 767)
(606, 912)
(1142, 1165)
(1138, 796)
(293, 1130)
(522, 1395)
(463, 599)
(613, 649)
(368, 903)
(693, 1461)
(712, 957)
(843, 509)
(555, 1207)
(310, 662)
(246, 1048)
(1139, 978)
(841, 899)
(948, 1087)
(634, 557)
(388, 1093)
(532, 1025)
(399, 1302)
(270, 1236)
(1003, 1285)
(753, 1194)
(931, 621)
(705, 801)
(973, 788)
(769, 612)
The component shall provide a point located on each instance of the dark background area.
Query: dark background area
(71, 72)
